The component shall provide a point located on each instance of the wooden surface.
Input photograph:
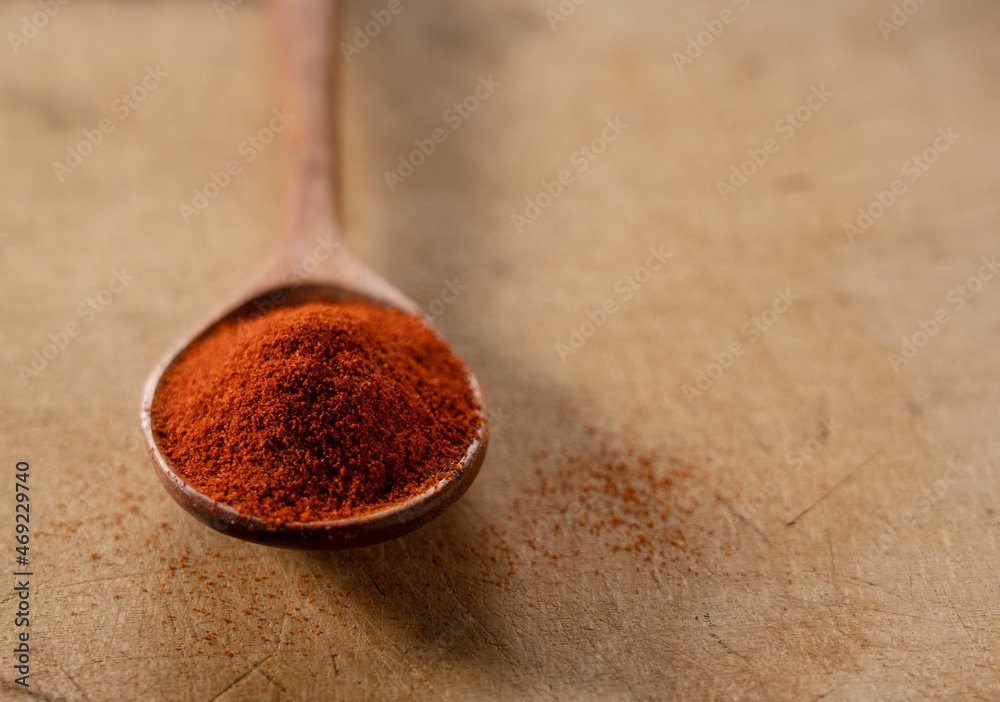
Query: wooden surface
(864, 567)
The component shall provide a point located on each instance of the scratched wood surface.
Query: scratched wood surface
(854, 491)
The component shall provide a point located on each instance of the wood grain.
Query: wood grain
(865, 564)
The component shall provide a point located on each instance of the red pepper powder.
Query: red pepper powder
(316, 412)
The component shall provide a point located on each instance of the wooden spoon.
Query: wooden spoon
(312, 262)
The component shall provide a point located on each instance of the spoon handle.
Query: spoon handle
(311, 225)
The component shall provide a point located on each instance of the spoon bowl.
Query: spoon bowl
(312, 263)
(352, 532)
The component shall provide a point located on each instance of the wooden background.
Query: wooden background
(885, 587)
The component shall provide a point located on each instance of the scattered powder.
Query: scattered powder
(610, 504)
(631, 503)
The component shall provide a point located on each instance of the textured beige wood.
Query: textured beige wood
(885, 586)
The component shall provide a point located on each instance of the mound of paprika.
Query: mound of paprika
(320, 411)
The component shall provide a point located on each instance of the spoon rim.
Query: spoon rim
(348, 532)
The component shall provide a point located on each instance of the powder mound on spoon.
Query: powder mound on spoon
(316, 412)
